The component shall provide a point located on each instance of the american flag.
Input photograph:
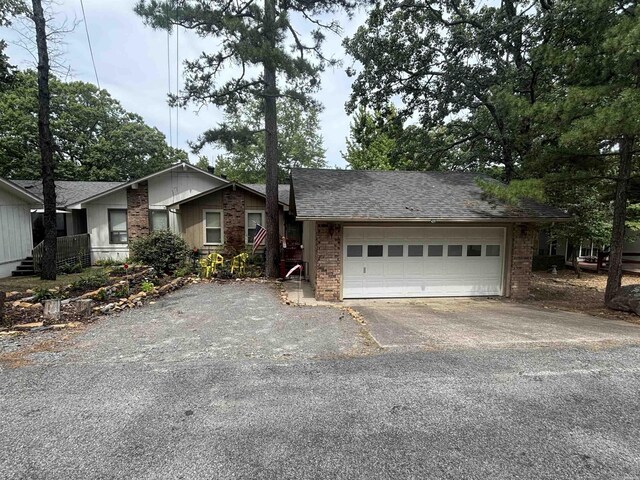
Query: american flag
(258, 238)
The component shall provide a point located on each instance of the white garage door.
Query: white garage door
(384, 262)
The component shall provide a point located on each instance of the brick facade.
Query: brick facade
(138, 211)
(523, 239)
(328, 261)
(233, 208)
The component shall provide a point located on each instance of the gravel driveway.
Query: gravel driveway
(208, 320)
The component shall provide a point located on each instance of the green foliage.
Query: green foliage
(102, 295)
(70, 268)
(90, 282)
(515, 191)
(110, 262)
(299, 145)
(42, 294)
(95, 138)
(183, 271)
(121, 291)
(147, 286)
(163, 250)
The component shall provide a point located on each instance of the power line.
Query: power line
(169, 81)
(86, 29)
(177, 70)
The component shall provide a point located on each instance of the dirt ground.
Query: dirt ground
(565, 291)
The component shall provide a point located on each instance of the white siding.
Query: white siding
(98, 226)
(16, 239)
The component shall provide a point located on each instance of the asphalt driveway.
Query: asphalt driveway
(486, 323)
(224, 381)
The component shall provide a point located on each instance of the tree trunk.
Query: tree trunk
(46, 147)
(575, 264)
(271, 145)
(614, 279)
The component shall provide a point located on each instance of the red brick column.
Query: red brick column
(523, 238)
(233, 205)
(138, 211)
(328, 261)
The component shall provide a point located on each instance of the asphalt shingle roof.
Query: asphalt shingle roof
(371, 195)
(283, 191)
(68, 192)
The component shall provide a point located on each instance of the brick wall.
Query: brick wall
(524, 237)
(233, 207)
(138, 211)
(328, 261)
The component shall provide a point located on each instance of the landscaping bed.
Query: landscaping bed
(565, 291)
(80, 301)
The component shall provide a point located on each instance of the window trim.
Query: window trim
(246, 223)
(126, 225)
(204, 226)
(163, 210)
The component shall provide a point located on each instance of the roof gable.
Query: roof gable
(19, 191)
(401, 195)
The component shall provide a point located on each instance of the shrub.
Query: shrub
(122, 291)
(70, 268)
(91, 281)
(44, 294)
(146, 286)
(163, 250)
(184, 271)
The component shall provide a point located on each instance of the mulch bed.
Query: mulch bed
(566, 291)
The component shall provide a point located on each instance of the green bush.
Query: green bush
(91, 281)
(146, 286)
(163, 250)
(70, 268)
(44, 294)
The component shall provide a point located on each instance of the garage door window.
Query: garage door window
(395, 250)
(454, 251)
(416, 250)
(474, 250)
(354, 250)
(493, 251)
(434, 250)
(374, 250)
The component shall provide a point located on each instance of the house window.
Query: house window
(117, 226)
(454, 251)
(493, 251)
(395, 250)
(416, 250)
(374, 250)
(474, 250)
(434, 250)
(158, 220)
(354, 250)
(251, 220)
(213, 234)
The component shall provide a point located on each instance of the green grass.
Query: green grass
(20, 284)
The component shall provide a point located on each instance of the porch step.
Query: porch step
(24, 269)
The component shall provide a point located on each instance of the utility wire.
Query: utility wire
(86, 29)
(177, 69)
(169, 81)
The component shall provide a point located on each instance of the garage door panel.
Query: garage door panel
(396, 274)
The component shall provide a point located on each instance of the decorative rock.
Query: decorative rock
(27, 326)
(627, 299)
(84, 306)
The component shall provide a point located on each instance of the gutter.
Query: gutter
(438, 220)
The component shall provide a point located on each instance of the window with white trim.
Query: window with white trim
(213, 231)
(252, 218)
(117, 226)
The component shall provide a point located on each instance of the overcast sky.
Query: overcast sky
(131, 60)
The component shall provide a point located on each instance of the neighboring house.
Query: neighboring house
(224, 218)
(15, 225)
(69, 222)
(369, 234)
(210, 212)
